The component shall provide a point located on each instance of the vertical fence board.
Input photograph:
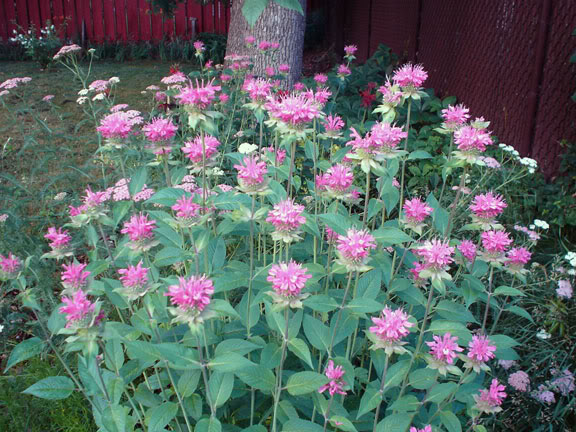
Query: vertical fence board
(70, 14)
(168, 28)
(132, 20)
(3, 24)
(207, 18)
(120, 10)
(156, 26)
(85, 19)
(58, 16)
(45, 12)
(98, 21)
(34, 15)
(10, 14)
(109, 20)
(194, 15)
(22, 14)
(180, 21)
(145, 29)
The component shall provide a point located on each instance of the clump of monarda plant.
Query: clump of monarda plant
(257, 265)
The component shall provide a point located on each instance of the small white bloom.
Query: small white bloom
(99, 96)
(81, 100)
(91, 50)
(541, 224)
(60, 196)
(3, 218)
(83, 92)
(571, 272)
(217, 171)
(247, 148)
(532, 226)
(543, 334)
(114, 80)
(1, 328)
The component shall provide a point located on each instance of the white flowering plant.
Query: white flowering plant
(41, 44)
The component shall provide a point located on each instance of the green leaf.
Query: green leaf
(210, 424)
(321, 303)
(115, 419)
(391, 236)
(369, 401)
(229, 362)
(440, 392)
(305, 382)
(422, 379)
(220, 387)
(508, 291)
(188, 382)
(52, 388)
(239, 346)
(169, 256)
(454, 311)
(166, 197)
(517, 310)
(419, 154)
(342, 423)
(455, 328)
(407, 403)
(503, 341)
(316, 333)
(336, 222)
(138, 180)
(450, 421)
(396, 373)
(291, 4)
(297, 425)
(394, 423)
(258, 377)
(25, 350)
(363, 305)
(300, 349)
(252, 9)
(159, 417)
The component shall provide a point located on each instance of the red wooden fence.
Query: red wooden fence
(113, 20)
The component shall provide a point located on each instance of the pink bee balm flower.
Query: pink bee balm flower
(343, 71)
(74, 277)
(496, 242)
(293, 109)
(288, 279)
(249, 40)
(284, 68)
(257, 88)
(410, 76)
(118, 125)
(140, 231)
(192, 294)
(354, 249)
(468, 249)
(278, 156)
(223, 98)
(269, 71)
(321, 78)
(444, 348)
(454, 116)
(336, 384)
(93, 200)
(186, 208)
(470, 139)
(59, 238)
(487, 206)
(480, 349)
(517, 258)
(519, 381)
(391, 94)
(415, 211)
(134, 276)
(198, 97)
(350, 50)
(389, 328)
(9, 266)
(286, 216)
(564, 289)
(489, 400)
(339, 178)
(427, 428)
(436, 254)
(199, 46)
(79, 311)
(418, 267)
(333, 123)
(386, 137)
(331, 236)
(193, 150)
(251, 174)
(264, 45)
(160, 129)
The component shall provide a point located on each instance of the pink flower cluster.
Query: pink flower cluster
(251, 172)
(74, 276)
(175, 78)
(186, 208)
(333, 124)
(490, 399)
(78, 309)
(455, 116)
(293, 109)
(468, 250)
(288, 279)
(386, 137)
(480, 349)
(391, 325)
(134, 276)
(13, 83)
(139, 228)
(564, 289)
(338, 178)
(193, 149)
(354, 248)
(496, 242)
(436, 254)
(470, 139)
(199, 96)
(410, 76)
(119, 125)
(10, 264)
(258, 89)
(286, 216)
(415, 210)
(160, 129)
(336, 383)
(67, 49)
(426, 428)
(519, 381)
(444, 348)
(59, 238)
(193, 293)
(487, 206)
(517, 258)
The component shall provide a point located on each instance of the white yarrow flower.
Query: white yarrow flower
(247, 148)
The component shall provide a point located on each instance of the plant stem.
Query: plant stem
(291, 170)
(490, 279)
(278, 390)
(455, 203)
(249, 294)
(366, 199)
(382, 384)
(327, 414)
(401, 202)
(167, 171)
(205, 377)
(340, 314)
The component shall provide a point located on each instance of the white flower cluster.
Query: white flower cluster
(571, 258)
(28, 38)
(539, 224)
(526, 161)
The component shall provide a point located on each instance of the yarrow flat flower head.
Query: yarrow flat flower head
(489, 400)
(288, 279)
(336, 383)
(354, 248)
(66, 50)
(191, 296)
(140, 230)
(388, 330)
(287, 218)
(563, 382)
(519, 381)
(544, 395)
(564, 289)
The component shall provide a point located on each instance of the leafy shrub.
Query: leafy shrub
(253, 263)
(40, 45)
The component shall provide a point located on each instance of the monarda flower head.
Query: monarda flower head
(443, 351)
(468, 250)
(455, 116)
(410, 79)
(160, 130)
(489, 400)
(74, 277)
(333, 126)
(252, 177)
(495, 244)
(516, 259)
(354, 248)
(198, 97)
(391, 98)
(201, 149)
(386, 137)
(336, 383)
(140, 230)
(292, 113)
(338, 180)
(134, 281)
(486, 207)
(426, 428)
(286, 217)
(343, 71)
(436, 256)
(59, 243)
(10, 266)
(288, 279)
(80, 312)
(415, 212)
(191, 296)
(470, 142)
(258, 90)
(389, 329)
(187, 211)
(480, 350)
(116, 127)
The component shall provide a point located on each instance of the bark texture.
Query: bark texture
(276, 24)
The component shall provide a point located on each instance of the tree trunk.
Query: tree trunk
(276, 24)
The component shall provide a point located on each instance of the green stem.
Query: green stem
(205, 377)
(327, 414)
(366, 199)
(249, 294)
(278, 390)
(381, 391)
(490, 279)
(404, 158)
(339, 316)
